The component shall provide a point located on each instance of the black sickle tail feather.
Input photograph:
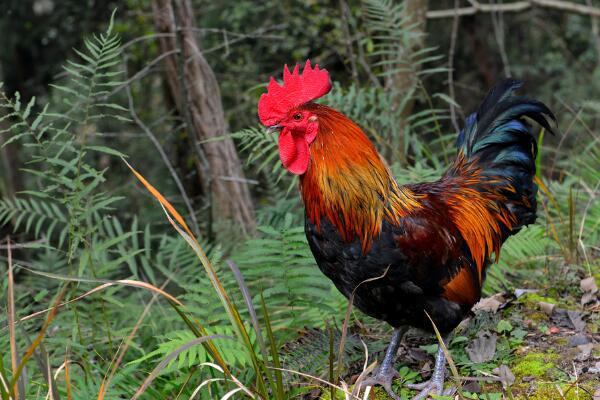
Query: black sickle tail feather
(500, 141)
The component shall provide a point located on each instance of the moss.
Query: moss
(377, 393)
(538, 316)
(549, 391)
(534, 364)
(535, 298)
(561, 341)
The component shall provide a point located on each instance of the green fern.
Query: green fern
(393, 36)
(519, 254)
(91, 79)
(235, 354)
(394, 47)
(280, 266)
(309, 353)
(32, 214)
(263, 154)
(64, 209)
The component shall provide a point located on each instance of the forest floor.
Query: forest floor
(540, 343)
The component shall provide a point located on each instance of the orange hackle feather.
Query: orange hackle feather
(348, 182)
(476, 206)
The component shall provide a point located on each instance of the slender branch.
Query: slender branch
(141, 73)
(477, 7)
(164, 157)
(498, 24)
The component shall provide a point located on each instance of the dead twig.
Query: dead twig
(477, 7)
(498, 25)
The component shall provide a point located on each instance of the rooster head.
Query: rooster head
(284, 108)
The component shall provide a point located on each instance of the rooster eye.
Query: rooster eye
(297, 117)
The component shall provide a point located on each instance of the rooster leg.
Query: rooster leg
(386, 373)
(434, 386)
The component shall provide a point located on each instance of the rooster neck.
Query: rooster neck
(348, 182)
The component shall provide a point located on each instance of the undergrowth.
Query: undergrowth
(146, 309)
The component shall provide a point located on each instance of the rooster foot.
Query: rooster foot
(434, 386)
(383, 378)
(386, 373)
(429, 388)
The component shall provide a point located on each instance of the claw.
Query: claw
(434, 386)
(383, 379)
(429, 388)
(386, 373)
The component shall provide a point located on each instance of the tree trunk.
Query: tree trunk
(195, 89)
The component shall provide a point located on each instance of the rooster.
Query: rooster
(410, 255)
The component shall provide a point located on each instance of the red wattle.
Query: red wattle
(293, 151)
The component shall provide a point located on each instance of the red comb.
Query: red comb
(297, 89)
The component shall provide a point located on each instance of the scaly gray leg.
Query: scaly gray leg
(436, 384)
(385, 372)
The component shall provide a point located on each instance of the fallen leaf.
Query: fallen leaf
(472, 387)
(505, 374)
(597, 394)
(576, 320)
(490, 304)
(417, 355)
(483, 348)
(588, 285)
(547, 308)
(585, 351)
(554, 330)
(579, 339)
(587, 298)
(595, 369)
(426, 370)
(560, 318)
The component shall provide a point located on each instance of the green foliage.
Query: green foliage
(80, 219)
(526, 249)
(234, 353)
(402, 60)
(391, 37)
(67, 211)
(280, 266)
(309, 353)
(68, 184)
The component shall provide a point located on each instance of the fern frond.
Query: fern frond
(40, 217)
(280, 266)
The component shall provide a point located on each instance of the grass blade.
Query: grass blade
(251, 310)
(451, 364)
(184, 231)
(39, 337)
(14, 389)
(122, 350)
(171, 357)
(274, 350)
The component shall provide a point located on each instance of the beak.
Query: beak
(274, 128)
